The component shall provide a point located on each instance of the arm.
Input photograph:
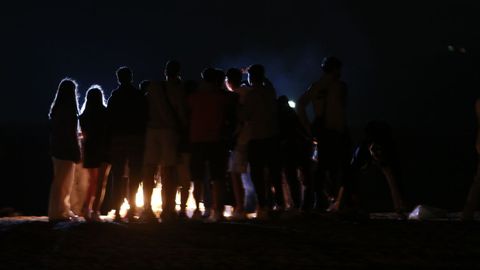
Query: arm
(302, 104)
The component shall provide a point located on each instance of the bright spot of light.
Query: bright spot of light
(291, 103)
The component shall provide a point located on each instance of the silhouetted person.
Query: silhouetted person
(143, 86)
(239, 158)
(208, 108)
(127, 114)
(328, 96)
(93, 122)
(166, 127)
(259, 112)
(376, 149)
(64, 148)
(295, 148)
(473, 197)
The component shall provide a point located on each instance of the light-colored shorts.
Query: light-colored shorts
(161, 147)
(238, 159)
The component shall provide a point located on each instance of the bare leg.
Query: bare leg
(238, 192)
(92, 187)
(134, 179)
(59, 205)
(103, 173)
(197, 192)
(335, 207)
(169, 191)
(184, 178)
(148, 185)
(217, 196)
(398, 202)
(184, 197)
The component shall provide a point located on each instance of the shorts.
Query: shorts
(238, 162)
(161, 147)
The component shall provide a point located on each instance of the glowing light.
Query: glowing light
(124, 208)
(228, 211)
(178, 201)
(139, 202)
(292, 104)
(156, 199)
(156, 202)
(451, 48)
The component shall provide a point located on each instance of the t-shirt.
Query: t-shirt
(259, 112)
(208, 108)
(126, 111)
(166, 105)
(243, 131)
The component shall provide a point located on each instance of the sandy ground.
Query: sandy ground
(296, 243)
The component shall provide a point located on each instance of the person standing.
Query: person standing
(376, 149)
(166, 131)
(294, 150)
(126, 116)
(93, 122)
(208, 108)
(64, 148)
(260, 114)
(328, 96)
(238, 159)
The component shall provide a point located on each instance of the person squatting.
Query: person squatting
(212, 133)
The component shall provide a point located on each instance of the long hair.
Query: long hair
(94, 100)
(65, 101)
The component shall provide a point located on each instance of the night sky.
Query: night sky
(386, 48)
(397, 63)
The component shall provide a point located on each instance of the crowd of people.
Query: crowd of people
(211, 132)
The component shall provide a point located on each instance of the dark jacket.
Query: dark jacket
(126, 112)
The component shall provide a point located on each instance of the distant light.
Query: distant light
(451, 48)
(463, 50)
(291, 103)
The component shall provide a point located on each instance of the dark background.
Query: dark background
(398, 66)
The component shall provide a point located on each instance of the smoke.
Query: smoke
(291, 71)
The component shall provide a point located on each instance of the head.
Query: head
(256, 74)
(234, 78)
(144, 85)
(66, 98)
(219, 78)
(95, 99)
(332, 65)
(172, 70)
(209, 75)
(124, 75)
